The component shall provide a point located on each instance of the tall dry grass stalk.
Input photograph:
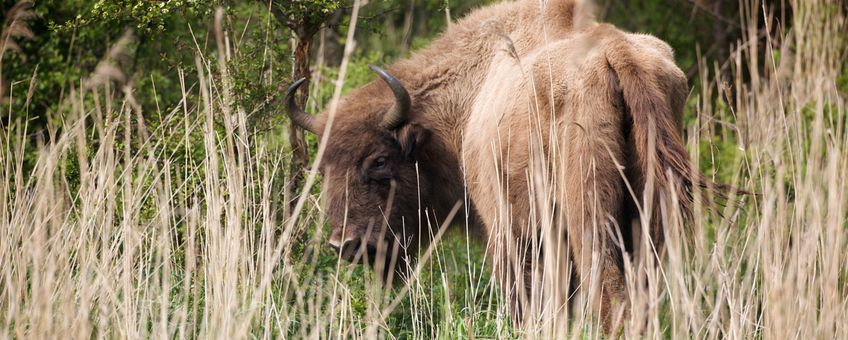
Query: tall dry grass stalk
(118, 236)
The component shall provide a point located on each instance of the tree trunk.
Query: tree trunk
(720, 31)
(300, 70)
(300, 153)
(406, 42)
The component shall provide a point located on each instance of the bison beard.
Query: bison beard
(559, 130)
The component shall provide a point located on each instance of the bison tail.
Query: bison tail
(654, 90)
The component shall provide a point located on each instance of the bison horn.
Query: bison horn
(296, 114)
(397, 115)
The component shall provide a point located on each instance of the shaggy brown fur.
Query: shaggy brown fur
(532, 110)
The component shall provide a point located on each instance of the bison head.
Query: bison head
(371, 183)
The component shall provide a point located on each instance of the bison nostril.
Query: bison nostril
(346, 250)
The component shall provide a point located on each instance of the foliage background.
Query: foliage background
(71, 37)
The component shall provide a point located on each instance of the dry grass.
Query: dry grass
(123, 238)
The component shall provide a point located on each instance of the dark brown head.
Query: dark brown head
(371, 179)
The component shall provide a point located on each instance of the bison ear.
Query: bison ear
(411, 137)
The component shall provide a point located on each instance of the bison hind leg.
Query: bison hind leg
(592, 191)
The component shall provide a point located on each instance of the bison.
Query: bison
(558, 130)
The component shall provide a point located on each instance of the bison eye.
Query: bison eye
(379, 169)
(379, 163)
